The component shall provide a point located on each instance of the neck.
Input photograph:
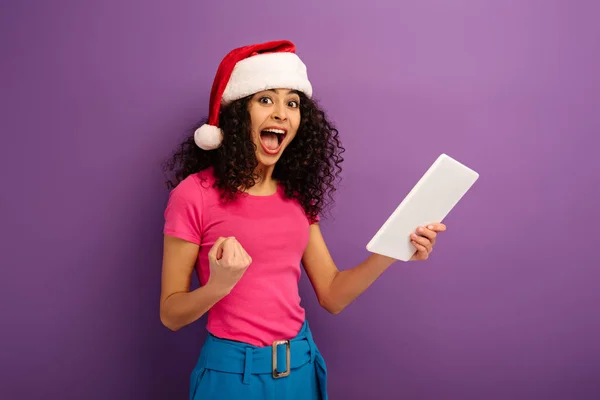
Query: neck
(265, 184)
(265, 174)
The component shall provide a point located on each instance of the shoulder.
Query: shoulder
(194, 185)
(191, 194)
(185, 209)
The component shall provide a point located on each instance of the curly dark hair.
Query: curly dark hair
(307, 169)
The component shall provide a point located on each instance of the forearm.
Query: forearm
(181, 309)
(348, 284)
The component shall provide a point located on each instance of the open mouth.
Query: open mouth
(271, 139)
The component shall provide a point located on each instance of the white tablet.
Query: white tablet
(429, 201)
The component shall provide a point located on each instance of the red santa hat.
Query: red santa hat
(248, 70)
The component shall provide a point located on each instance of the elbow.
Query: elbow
(168, 323)
(170, 326)
(331, 307)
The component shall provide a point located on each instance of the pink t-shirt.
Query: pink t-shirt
(265, 304)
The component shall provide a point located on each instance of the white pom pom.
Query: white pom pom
(208, 137)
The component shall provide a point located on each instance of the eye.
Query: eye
(265, 100)
(294, 104)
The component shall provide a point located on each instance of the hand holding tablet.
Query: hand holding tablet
(427, 204)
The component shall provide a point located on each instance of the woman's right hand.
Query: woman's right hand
(228, 261)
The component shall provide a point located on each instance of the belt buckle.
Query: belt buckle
(275, 344)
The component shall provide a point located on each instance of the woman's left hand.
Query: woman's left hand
(424, 239)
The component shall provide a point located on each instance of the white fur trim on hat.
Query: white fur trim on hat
(267, 71)
(208, 137)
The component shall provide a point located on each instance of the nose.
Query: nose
(280, 112)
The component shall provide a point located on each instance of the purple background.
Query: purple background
(95, 94)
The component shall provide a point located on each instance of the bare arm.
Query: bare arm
(178, 306)
(336, 289)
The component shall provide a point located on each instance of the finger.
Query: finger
(423, 241)
(240, 254)
(421, 249)
(229, 250)
(235, 243)
(217, 250)
(437, 227)
(221, 249)
(428, 233)
(246, 259)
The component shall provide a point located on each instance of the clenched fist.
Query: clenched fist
(228, 261)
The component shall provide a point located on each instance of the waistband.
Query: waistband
(235, 357)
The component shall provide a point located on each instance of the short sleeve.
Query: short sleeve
(183, 213)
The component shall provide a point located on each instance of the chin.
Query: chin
(268, 160)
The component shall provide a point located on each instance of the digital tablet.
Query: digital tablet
(429, 201)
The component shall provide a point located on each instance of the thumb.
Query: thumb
(216, 251)
(219, 253)
(228, 248)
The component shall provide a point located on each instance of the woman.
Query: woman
(249, 186)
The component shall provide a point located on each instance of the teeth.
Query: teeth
(277, 131)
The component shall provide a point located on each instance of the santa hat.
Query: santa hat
(248, 70)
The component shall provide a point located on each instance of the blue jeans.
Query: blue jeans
(229, 370)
